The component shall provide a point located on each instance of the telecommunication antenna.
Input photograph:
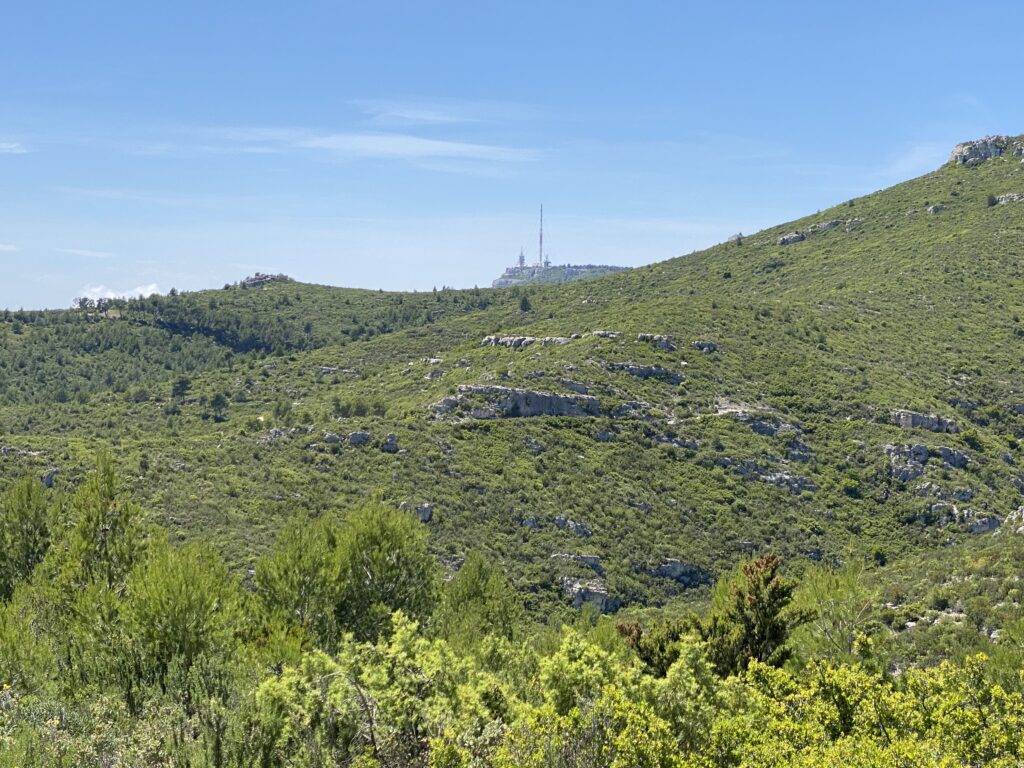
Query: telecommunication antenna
(540, 253)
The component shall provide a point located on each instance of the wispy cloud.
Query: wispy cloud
(12, 148)
(399, 146)
(103, 292)
(399, 112)
(8, 248)
(85, 252)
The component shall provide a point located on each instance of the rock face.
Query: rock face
(648, 372)
(358, 438)
(792, 237)
(906, 461)
(512, 342)
(1011, 197)
(592, 591)
(975, 152)
(390, 444)
(954, 459)
(1015, 521)
(687, 575)
(506, 402)
(660, 341)
(929, 421)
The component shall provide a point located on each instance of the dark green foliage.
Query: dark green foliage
(476, 602)
(382, 566)
(751, 618)
(25, 520)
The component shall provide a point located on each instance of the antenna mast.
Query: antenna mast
(540, 255)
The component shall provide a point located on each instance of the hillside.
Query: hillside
(662, 423)
(523, 275)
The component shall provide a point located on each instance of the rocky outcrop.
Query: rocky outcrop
(512, 342)
(574, 386)
(425, 512)
(954, 459)
(792, 237)
(358, 438)
(1011, 197)
(931, 422)
(685, 574)
(822, 226)
(936, 208)
(648, 372)
(906, 461)
(1014, 521)
(564, 523)
(332, 438)
(687, 444)
(507, 402)
(607, 334)
(972, 153)
(390, 444)
(660, 341)
(751, 470)
(707, 347)
(588, 591)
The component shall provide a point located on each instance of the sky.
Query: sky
(408, 145)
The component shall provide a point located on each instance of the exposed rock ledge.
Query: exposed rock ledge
(976, 152)
(506, 402)
(929, 421)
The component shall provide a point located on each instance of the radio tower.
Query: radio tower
(540, 255)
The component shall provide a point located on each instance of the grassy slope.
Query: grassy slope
(831, 334)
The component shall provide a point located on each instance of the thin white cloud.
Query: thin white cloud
(399, 146)
(397, 112)
(103, 292)
(8, 248)
(12, 148)
(85, 252)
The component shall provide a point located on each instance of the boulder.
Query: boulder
(607, 334)
(390, 444)
(792, 237)
(554, 340)
(331, 438)
(425, 512)
(707, 347)
(936, 208)
(512, 342)
(358, 438)
(1014, 521)
(975, 152)
(914, 420)
(1012, 197)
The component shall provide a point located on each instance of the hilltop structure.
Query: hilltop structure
(542, 273)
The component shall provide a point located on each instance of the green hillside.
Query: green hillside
(757, 506)
(774, 441)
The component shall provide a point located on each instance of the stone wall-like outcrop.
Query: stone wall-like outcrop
(931, 422)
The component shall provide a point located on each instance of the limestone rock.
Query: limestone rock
(607, 334)
(512, 342)
(907, 461)
(707, 347)
(660, 341)
(507, 402)
(425, 512)
(565, 524)
(792, 237)
(358, 438)
(975, 152)
(936, 208)
(1011, 197)
(648, 372)
(331, 438)
(913, 420)
(954, 459)
(687, 575)
(588, 591)
(390, 444)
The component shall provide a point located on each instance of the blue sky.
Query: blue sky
(407, 145)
